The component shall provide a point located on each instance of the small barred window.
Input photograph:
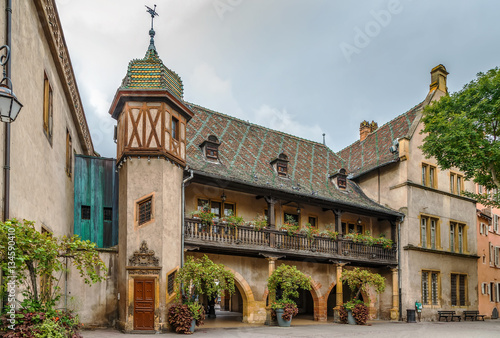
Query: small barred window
(145, 210)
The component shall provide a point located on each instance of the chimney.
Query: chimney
(366, 128)
(438, 79)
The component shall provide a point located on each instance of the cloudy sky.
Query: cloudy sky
(305, 67)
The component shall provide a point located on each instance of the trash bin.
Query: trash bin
(410, 316)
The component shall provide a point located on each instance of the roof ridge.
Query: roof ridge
(387, 123)
(262, 127)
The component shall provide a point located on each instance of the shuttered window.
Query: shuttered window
(47, 108)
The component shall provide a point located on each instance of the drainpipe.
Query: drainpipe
(399, 269)
(183, 207)
(6, 168)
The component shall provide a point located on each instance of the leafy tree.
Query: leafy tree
(204, 277)
(463, 131)
(36, 259)
(359, 280)
(288, 279)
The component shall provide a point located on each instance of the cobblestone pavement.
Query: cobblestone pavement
(376, 329)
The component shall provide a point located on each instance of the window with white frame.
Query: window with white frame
(495, 223)
(491, 253)
(483, 229)
(492, 291)
(497, 254)
(484, 288)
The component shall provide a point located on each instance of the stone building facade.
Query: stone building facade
(437, 240)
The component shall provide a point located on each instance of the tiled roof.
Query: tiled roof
(150, 72)
(246, 151)
(373, 152)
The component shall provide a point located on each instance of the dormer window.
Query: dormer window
(280, 165)
(210, 148)
(340, 179)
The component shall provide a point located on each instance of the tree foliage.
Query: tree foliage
(463, 131)
(36, 259)
(204, 277)
(359, 280)
(289, 279)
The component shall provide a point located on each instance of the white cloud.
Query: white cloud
(208, 89)
(283, 121)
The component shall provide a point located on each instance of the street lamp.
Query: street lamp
(9, 104)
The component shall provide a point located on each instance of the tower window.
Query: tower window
(175, 128)
(145, 210)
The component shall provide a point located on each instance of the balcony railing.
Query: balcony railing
(245, 238)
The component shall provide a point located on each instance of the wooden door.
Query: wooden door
(144, 300)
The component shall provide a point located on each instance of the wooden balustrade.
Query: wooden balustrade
(248, 237)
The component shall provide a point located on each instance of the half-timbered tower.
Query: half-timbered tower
(151, 157)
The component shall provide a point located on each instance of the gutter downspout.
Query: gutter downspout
(399, 269)
(6, 167)
(183, 207)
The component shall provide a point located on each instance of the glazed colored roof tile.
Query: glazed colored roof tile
(247, 149)
(364, 156)
(151, 73)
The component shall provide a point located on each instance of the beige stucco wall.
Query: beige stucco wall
(40, 189)
(96, 305)
(138, 179)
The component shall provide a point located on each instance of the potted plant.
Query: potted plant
(287, 280)
(259, 222)
(233, 221)
(359, 280)
(290, 226)
(205, 215)
(198, 277)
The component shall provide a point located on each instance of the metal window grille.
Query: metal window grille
(425, 287)
(453, 295)
(434, 288)
(462, 289)
(145, 211)
(85, 212)
(108, 214)
(171, 282)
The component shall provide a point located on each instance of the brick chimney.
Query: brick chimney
(366, 128)
(438, 79)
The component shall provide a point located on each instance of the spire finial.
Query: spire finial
(152, 12)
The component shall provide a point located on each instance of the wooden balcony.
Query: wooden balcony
(246, 241)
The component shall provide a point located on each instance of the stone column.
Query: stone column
(340, 293)
(338, 218)
(271, 221)
(272, 293)
(395, 295)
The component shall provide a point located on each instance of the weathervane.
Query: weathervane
(153, 13)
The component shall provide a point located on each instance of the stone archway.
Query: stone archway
(332, 288)
(253, 311)
(318, 300)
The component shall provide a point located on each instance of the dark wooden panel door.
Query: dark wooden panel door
(144, 300)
